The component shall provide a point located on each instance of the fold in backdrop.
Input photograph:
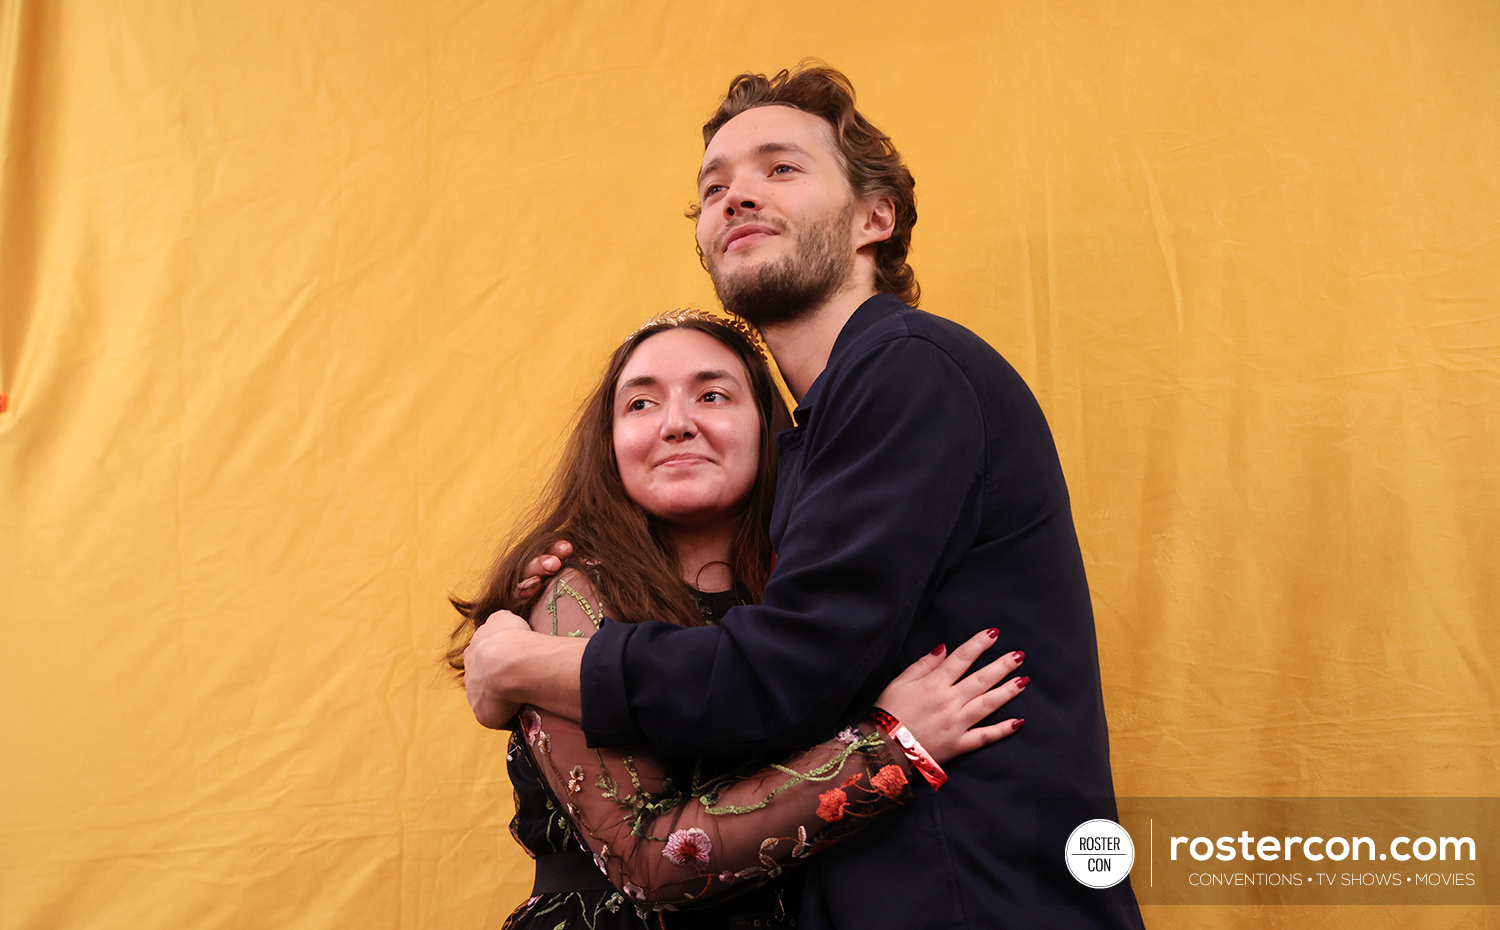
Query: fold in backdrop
(297, 299)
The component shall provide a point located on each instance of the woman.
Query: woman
(665, 491)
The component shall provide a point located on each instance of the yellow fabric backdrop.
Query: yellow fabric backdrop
(296, 298)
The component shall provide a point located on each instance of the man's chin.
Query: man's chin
(761, 299)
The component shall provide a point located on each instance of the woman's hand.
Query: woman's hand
(543, 567)
(940, 707)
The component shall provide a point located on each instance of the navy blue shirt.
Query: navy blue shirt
(919, 500)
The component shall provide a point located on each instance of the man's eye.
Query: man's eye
(712, 189)
(782, 169)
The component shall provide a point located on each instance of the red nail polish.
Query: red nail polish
(992, 633)
(1021, 683)
(1017, 725)
(938, 649)
(1018, 656)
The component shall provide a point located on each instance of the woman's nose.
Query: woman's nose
(677, 420)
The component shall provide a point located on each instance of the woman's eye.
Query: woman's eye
(782, 169)
(637, 404)
(714, 397)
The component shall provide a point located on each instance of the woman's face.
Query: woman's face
(686, 430)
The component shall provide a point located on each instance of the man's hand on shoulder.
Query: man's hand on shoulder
(507, 665)
(484, 663)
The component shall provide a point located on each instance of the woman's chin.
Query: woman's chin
(695, 515)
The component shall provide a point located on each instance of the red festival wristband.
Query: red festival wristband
(920, 759)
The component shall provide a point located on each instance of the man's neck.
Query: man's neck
(802, 346)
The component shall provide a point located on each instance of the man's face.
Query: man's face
(778, 225)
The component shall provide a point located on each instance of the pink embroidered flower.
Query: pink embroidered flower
(728, 877)
(688, 845)
(847, 736)
(889, 781)
(634, 892)
(531, 723)
(831, 804)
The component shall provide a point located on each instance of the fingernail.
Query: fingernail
(1018, 657)
(992, 633)
(1017, 725)
(938, 649)
(1021, 683)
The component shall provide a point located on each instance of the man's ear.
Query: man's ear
(878, 221)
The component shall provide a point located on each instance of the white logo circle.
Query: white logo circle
(1099, 853)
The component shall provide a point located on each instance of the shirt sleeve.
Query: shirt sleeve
(665, 843)
(886, 497)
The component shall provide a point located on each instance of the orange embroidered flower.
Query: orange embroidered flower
(889, 781)
(831, 804)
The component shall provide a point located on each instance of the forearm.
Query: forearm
(544, 672)
(666, 844)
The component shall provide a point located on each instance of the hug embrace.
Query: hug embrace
(740, 688)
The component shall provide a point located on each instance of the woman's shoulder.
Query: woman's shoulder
(570, 605)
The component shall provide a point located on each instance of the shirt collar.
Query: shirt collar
(868, 314)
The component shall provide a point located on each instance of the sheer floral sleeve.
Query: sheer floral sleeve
(665, 841)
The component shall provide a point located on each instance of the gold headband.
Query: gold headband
(673, 318)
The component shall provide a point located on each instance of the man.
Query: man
(919, 499)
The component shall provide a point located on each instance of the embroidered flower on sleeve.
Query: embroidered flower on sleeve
(575, 779)
(889, 781)
(831, 804)
(543, 742)
(634, 892)
(803, 847)
(848, 736)
(531, 724)
(690, 845)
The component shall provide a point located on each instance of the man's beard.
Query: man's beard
(820, 263)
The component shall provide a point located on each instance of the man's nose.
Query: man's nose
(740, 198)
(740, 203)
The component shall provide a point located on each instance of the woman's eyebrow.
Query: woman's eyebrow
(708, 374)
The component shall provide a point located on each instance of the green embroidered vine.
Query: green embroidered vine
(828, 771)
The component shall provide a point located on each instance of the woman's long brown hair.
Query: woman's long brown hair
(625, 548)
